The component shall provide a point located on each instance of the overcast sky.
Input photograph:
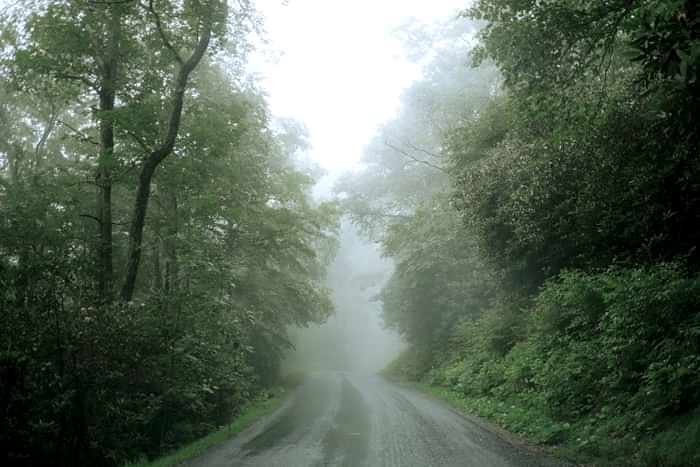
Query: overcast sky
(340, 68)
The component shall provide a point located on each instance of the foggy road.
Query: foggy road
(341, 419)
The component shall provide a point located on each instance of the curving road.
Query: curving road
(348, 420)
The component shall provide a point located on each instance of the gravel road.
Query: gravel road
(348, 420)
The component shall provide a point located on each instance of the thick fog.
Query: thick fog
(354, 338)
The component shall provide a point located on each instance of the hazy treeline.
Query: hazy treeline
(354, 338)
(156, 239)
(542, 210)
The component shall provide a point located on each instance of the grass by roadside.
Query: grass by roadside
(583, 443)
(534, 429)
(254, 410)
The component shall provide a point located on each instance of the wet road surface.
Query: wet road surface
(348, 420)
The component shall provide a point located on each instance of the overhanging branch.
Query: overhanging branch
(413, 158)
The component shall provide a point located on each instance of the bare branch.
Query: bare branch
(382, 215)
(89, 216)
(96, 219)
(420, 149)
(53, 117)
(82, 79)
(413, 158)
(81, 136)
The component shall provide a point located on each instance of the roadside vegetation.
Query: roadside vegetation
(264, 404)
(603, 367)
(266, 401)
(157, 233)
(538, 194)
(541, 210)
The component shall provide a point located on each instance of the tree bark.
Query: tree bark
(103, 177)
(154, 159)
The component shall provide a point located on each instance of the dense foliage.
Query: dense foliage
(116, 165)
(538, 194)
(606, 363)
(550, 263)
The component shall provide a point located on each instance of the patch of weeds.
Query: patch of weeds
(264, 405)
(678, 445)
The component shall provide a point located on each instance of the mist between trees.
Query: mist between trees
(355, 337)
(157, 230)
(538, 194)
(536, 202)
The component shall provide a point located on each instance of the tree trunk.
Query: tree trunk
(154, 159)
(138, 219)
(104, 214)
(103, 178)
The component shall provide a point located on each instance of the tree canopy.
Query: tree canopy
(158, 232)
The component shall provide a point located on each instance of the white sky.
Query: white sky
(339, 70)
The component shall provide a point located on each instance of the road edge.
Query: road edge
(257, 412)
(440, 395)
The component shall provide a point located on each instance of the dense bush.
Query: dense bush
(626, 337)
(86, 385)
(234, 251)
(615, 351)
(576, 187)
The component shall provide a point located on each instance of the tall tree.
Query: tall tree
(108, 50)
(185, 66)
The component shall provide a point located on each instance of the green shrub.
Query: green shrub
(626, 338)
(521, 367)
(606, 362)
(412, 365)
(97, 386)
(676, 445)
